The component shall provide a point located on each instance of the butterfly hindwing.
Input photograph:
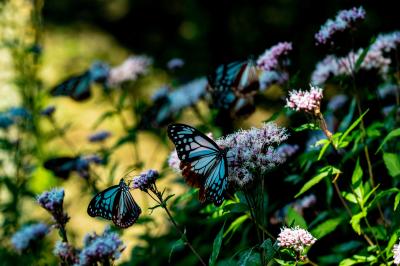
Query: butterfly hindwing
(117, 204)
(125, 211)
(203, 163)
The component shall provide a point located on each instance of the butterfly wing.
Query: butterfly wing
(61, 166)
(247, 80)
(103, 203)
(221, 83)
(203, 164)
(77, 87)
(125, 211)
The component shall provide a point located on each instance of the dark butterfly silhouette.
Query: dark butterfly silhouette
(63, 166)
(78, 87)
(117, 204)
(203, 163)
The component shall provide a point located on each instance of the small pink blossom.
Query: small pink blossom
(174, 162)
(145, 180)
(270, 60)
(307, 101)
(295, 238)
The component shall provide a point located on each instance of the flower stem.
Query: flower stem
(163, 205)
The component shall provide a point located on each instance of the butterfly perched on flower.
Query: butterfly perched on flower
(117, 204)
(78, 87)
(203, 162)
(229, 82)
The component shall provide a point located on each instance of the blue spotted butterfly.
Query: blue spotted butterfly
(78, 87)
(232, 81)
(117, 204)
(203, 163)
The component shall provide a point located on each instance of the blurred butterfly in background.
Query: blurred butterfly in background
(203, 163)
(117, 204)
(78, 87)
(229, 82)
(63, 166)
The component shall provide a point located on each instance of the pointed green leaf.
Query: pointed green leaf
(391, 135)
(216, 246)
(355, 123)
(392, 162)
(293, 217)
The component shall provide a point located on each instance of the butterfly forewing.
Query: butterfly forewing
(76, 87)
(203, 163)
(102, 204)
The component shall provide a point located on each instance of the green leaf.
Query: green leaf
(355, 123)
(356, 178)
(310, 126)
(216, 246)
(396, 201)
(249, 258)
(394, 133)
(178, 243)
(236, 208)
(392, 162)
(270, 249)
(326, 227)
(236, 224)
(293, 217)
(168, 197)
(364, 53)
(355, 221)
(324, 172)
(324, 148)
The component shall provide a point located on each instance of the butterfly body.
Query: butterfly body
(203, 163)
(117, 204)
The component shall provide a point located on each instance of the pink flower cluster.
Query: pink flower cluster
(345, 19)
(251, 153)
(375, 59)
(129, 70)
(295, 238)
(307, 101)
(387, 42)
(396, 251)
(65, 252)
(270, 60)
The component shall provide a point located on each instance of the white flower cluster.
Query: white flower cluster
(295, 238)
(308, 101)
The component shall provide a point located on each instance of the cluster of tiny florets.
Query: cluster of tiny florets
(287, 150)
(129, 70)
(345, 20)
(65, 252)
(295, 238)
(307, 101)
(145, 180)
(251, 152)
(270, 60)
(100, 248)
(53, 201)
(175, 63)
(28, 235)
(268, 78)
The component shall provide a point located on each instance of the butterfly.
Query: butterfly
(231, 81)
(203, 163)
(63, 166)
(78, 87)
(117, 204)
